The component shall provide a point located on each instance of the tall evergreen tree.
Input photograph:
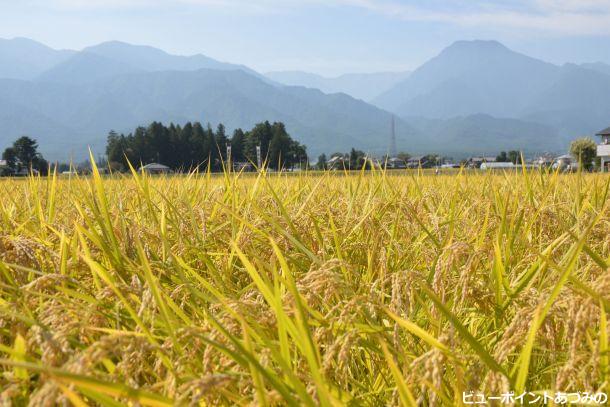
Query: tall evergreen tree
(200, 153)
(237, 145)
(221, 142)
(279, 147)
(321, 165)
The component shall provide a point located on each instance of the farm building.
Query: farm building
(337, 163)
(475, 162)
(603, 149)
(565, 163)
(396, 163)
(496, 165)
(155, 168)
(417, 161)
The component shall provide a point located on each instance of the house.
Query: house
(243, 166)
(603, 149)
(26, 172)
(417, 161)
(155, 168)
(496, 166)
(395, 163)
(4, 168)
(565, 163)
(544, 161)
(337, 162)
(475, 162)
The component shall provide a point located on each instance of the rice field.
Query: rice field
(328, 289)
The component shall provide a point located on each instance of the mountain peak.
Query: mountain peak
(476, 46)
(119, 48)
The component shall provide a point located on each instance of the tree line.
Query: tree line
(192, 145)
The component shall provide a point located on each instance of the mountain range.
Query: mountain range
(475, 97)
(485, 77)
(365, 86)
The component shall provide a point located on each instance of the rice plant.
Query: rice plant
(366, 288)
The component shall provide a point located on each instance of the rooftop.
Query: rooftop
(155, 166)
(605, 132)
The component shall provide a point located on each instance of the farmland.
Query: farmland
(311, 289)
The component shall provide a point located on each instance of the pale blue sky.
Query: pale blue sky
(328, 37)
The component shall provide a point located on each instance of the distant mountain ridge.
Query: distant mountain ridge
(471, 77)
(22, 58)
(116, 58)
(365, 86)
(84, 112)
(597, 66)
(474, 97)
(485, 77)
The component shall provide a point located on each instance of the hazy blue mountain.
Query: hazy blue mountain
(484, 134)
(142, 57)
(365, 86)
(237, 99)
(484, 77)
(597, 66)
(86, 67)
(577, 104)
(471, 77)
(115, 58)
(21, 58)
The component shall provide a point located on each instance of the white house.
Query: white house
(496, 166)
(603, 149)
(565, 163)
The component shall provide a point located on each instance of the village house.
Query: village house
(337, 162)
(395, 163)
(603, 149)
(565, 163)
(417, 161)
(4, 168)
(155, 168)
(475, 162)
(496, 165)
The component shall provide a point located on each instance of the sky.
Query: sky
(328, 37)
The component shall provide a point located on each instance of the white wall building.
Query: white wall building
(603, 149)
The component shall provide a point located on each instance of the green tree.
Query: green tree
(10, 156)
(514, 157)
(237, 146)
(403, 156)
(297, 154)
(199, 149)
(321, 165)
(356, 159)
(279, 147)
(221, 141)
(584, 150)
(502, 157)
(24, 155)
